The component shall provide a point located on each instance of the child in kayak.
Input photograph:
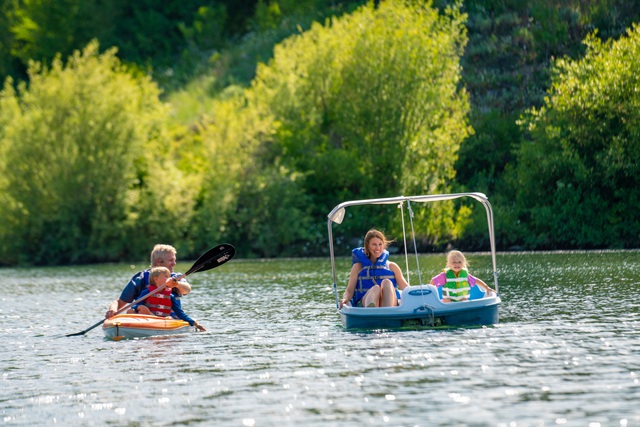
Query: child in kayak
(165, 302)
(161, 256)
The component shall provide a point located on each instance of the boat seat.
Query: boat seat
(476, 293)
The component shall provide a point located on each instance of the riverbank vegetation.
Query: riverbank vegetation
(125, 124)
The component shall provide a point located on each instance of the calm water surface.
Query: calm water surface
(566, 351)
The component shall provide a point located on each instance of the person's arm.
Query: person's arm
(177, 309)
(482, 284)
(438, 280)
(400, 280)
(199, 326)
(113, 307)
(129, 294)
(351, 286)
(184, 287)
(144, 292)
(181, 283)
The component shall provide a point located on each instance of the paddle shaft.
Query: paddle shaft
(213, 258)
(124, 307)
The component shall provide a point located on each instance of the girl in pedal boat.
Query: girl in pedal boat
(455, 279)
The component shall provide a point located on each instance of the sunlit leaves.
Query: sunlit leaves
(578, 173)
(83, 142)
(379, 87)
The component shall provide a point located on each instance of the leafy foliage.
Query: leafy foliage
(82, 163)
(577, 176)
(369, 106)
(374, 102)
(506, 71)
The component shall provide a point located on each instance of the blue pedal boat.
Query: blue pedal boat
(421, 305)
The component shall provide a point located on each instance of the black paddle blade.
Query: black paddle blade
(214, 257)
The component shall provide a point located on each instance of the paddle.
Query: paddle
(213, 258)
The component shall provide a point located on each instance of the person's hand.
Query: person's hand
(109, 314)
(199, 326)
(183, 286)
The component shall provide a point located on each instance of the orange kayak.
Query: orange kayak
(140, 326)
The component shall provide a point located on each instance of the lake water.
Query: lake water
(565, 353)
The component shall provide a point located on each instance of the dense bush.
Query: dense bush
(83, 164)
(578, 173)
(506, 70)
(370, 106)
(372, 103)
(367, 106)
(172, 40)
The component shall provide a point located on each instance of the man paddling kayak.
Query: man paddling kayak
(161, 256)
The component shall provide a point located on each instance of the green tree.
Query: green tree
(152, 34)
(370, 105)
(225, 143)
(578, 174)
(43, 28)
(86, 167)
(260, 207)
(7, 62)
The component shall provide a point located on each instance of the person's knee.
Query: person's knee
(386, 284)
(374, 290)
(143, 310)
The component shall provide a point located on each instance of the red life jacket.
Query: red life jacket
(159, 303)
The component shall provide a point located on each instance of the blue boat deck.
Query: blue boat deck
(422, 306)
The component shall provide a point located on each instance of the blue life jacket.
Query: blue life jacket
(371, 274)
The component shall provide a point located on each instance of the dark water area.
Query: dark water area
(565, 353)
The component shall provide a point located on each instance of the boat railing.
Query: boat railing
(337, 215)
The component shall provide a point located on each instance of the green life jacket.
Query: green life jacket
(457, 287)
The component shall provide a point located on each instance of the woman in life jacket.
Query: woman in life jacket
(374, 280)
(455, 279)
(163, 303)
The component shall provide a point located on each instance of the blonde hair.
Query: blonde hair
(158, 271)
(459, 256)
(160, 251)
(372, 234)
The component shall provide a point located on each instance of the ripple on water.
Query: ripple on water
(565, 353)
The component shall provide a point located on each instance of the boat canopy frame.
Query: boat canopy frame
(337, 215)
